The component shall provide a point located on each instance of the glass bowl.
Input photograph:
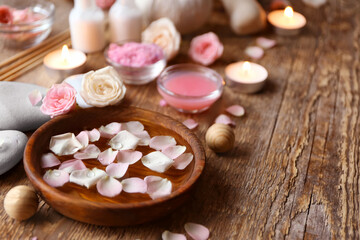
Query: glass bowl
(190, 88)
(25, 35)
(137, 75)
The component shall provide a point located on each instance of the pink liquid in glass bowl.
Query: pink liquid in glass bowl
(190, 88)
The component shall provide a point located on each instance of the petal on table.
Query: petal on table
(49, 160)
(236, 110)
(134, 185)
(254, 52)
(108, 156)
(157, 161)
(190, 123)
(83, 138)
(174, 151)
(129, 156)
(157, 186)
(91, 151)
(108, 186)
(197, 231)
(35, 97)
(224, 119)
(94, 135)
(265, 43)
(162, 103)
(56, 178)
(72, 165)
(166, 235)
(183, 161)
(117, 170)
(162, 142)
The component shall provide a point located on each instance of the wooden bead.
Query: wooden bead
(220, 137)
(21, 202)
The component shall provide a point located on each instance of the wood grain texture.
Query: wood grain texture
(294, 170)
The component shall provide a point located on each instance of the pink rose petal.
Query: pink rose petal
(72, 165)
(166, 235)
(254, 52)
(129, 156)
(190, 123)
(49, 160)
(108, 156)
(183, 161)
(108, 186)
(110, 129)
(162, 142)
(174, 151)
(206, 48)
(133, 127)
(91, 151)
(197, 231)
(158, 186)
(56, 178)
(83, 138)
(265, 43)
(134, 185)
(94, 135)
(35, 97)
(117, 170)
(162, 103)
(224, 119)
(144, 138)
(236, 110)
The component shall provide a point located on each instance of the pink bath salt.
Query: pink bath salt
(5, 14)
(134, 54)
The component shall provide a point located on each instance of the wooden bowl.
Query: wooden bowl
(86, 205)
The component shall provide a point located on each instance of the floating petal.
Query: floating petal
(265, 43)
(174, 151)
(254, 52)
(91, 151)
(190, 123)
(72, 165)
(129, 156)
(133, 126)
(83, 138)
(166, 235)
(35, 97)
(183, 161)
(236, 110)
(110, 129)
(117, 170)
(108, 156)
(108, 186)
(144, 138)
(157, 161)
(64, 144)
(56, 178)
(224, 119)
(163, 103)
(134, 185)
(157, 186)
(197, 231)
(124, 140)
(87, 177)
(94, 135)
(162, 142)
(49, 160)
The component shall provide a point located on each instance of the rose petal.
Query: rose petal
(87, 177)
(162, 103)
(94, 135)
(134, 185)
(236, 110)
(197, 231)
(157, 161)
(190, 123)
(183, 161)
(72, 165)
(166, 235)
(35, 97)
(110, 129)
(314, 3)
(224, 119)
(83, 138)
(56, 178)
(49, 160)
(254, 52)
(108, 186)
(174, 151)
(162, 142)
(64, 144)
(117, 170)
(144, 138)
(133, 127)
(129, 156)
(91, 151)
(124, 140)
(157, 186)
(265, 43)
(108, 156)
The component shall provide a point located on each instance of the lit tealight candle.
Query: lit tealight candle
(287, 22)
(65, 62)
(246, 77)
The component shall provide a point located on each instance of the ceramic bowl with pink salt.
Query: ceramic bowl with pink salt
(136, 63)
(24, 24)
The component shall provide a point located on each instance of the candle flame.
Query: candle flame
(65, 54)
(289, 12)
(246, 67)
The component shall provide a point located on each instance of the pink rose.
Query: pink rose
(60, 99)
(104, 4)
(206, 48)
(5, 15)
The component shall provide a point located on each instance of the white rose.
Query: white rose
(163, 33)
(102, 87)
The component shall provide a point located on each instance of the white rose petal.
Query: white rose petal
(87, 177)
(124, 140)
(157, 161)
(64, 144)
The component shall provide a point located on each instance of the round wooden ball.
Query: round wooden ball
(220, 137)
(21, 202)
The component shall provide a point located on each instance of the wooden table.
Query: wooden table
(294, 171)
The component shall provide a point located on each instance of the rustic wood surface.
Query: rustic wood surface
(294, 170)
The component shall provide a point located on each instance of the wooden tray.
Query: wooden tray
(86, 205)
